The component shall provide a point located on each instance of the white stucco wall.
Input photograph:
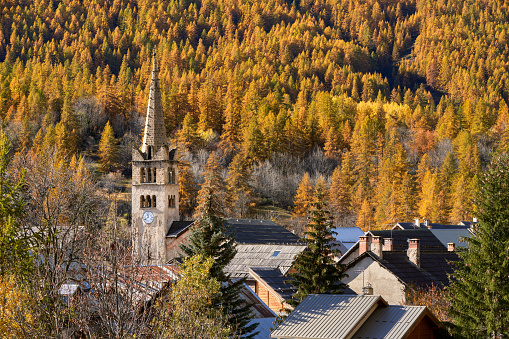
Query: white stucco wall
(384, 283)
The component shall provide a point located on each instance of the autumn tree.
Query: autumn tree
(189, 311)
(108, 152)
(239, 187)
(304, 196)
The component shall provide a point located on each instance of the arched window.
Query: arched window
(171, 201)
(149, 155)
(142, 202)
(142, 174)
(149, 175)
(148, 202)
(154, 178)
(153, 201)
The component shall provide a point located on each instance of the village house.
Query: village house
(393, 261)
(326, 316)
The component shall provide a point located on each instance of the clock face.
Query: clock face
(148, 217)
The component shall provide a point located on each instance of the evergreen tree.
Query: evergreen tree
(479, 291)
(317, 270)
(108, 152)
(210, 237)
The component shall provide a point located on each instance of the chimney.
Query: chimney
(417, 223)
(451, 246)
(367, 290)
(388, 242)
(363, 244)
(376, 245)
(474, 219)
(427, 224)
(414, 251)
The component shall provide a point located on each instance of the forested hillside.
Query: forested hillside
(398, 104)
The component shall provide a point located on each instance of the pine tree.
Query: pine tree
(303, 197)
(211, 238)
(213, 177)
(108, 152)
(479, 291)
(318, 272)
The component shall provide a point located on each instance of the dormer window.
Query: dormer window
(149, 153)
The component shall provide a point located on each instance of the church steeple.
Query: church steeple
(154, 135)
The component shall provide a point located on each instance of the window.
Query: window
(275, 254)
(142, 174)
(149, 155)
(155, 176)
(171, 201)
(142, 202)
(153, 201)
(149, 175)
(148, 202)
(172, 175)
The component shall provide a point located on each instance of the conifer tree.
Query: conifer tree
(318, 272)
(108, 151)
(479, 293)
(340, 200)
(213, 176)
(303, 197)
(211, 238)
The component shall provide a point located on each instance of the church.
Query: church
(157, 230)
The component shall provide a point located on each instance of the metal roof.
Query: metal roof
(348, 234)
(273, 256)
(447, 236)
(246, 231)
(264, 326)
(392, 322)
(253, 231)
(327, 316)
(177, 228)
(411, 226)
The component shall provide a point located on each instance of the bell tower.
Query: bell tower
(155, 193)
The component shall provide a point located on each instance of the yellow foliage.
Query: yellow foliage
(15, 309)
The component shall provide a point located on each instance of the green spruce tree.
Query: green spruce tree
(210, 237)
(479, 294)
(318, 272)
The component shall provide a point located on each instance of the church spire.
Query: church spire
(155, 131)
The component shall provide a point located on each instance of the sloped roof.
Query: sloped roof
(411, 225)
(258, 308)
(253, 231)
(434, 258)
(348, 234)
(448, 236)
(327, 316)
(246, 231)
(273, 278)
(264, 326)
(252, 255)
(177, 228)
(392, 322)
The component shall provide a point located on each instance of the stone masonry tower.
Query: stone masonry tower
(155, 193)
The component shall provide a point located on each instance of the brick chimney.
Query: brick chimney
(451, 247)
(414, 251)
(388, 244)
(376, 246)
(363, 244)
